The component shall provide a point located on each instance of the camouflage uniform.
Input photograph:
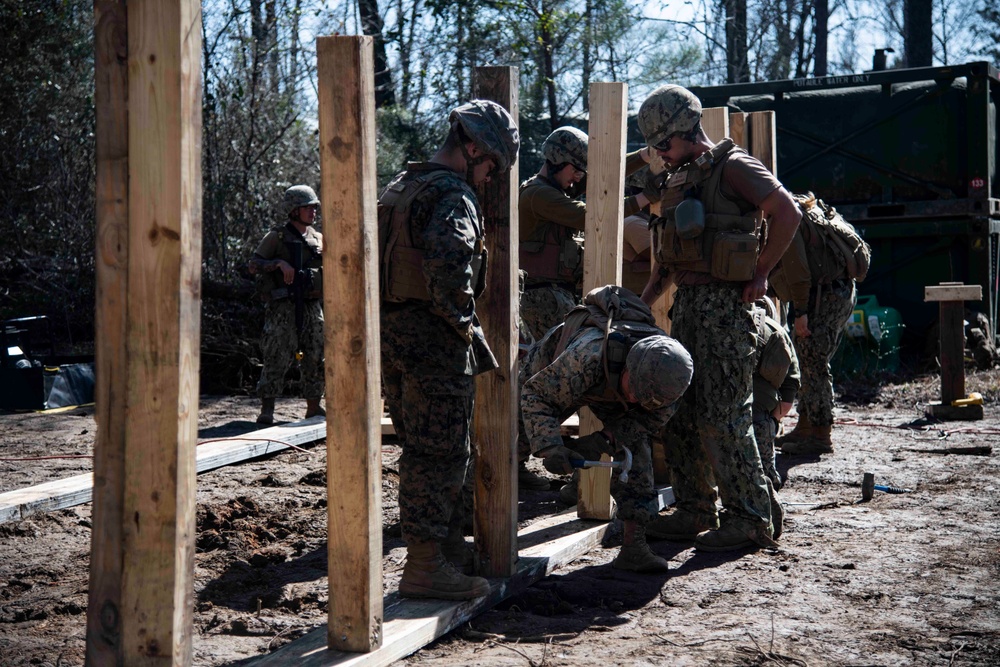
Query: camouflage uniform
(712, 433)
(280, 340)
(829, 308)
(557, 388)
(775, 381)
(428, 362)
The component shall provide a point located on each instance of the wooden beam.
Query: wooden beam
(715, 122)
(79, 489)
(497, 393)
(763, 143)
(412, 624)
(738, 128)
(953, 292)
(345, 73)
(104, 615)
(952, 350)
(159, 384)
(602, 254)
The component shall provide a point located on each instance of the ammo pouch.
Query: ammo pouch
(669, 248)
(734, 256)
(551, 259)
(775, 359)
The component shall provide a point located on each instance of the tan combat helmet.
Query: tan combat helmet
(299, 195)
(660, 370)
(667, 112)
(566, 144)
(492, 129)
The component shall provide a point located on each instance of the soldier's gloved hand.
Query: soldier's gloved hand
(593, 445)
(653, 187)
(556, 460)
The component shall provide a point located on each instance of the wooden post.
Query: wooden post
(104, 613)
(951, 298)
(145, 469)
(715, 122)
(345, 73)
(497, 393)
(737, 128)
(763, 144)
(603, 233)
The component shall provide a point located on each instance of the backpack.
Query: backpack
(839, 238)
(624, 319)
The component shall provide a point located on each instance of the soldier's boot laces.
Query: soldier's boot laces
(266, 416)
(818, 442)
(638, 557)
(314, 409)
(733, 535)
(428, 575)
(681, 525)
(531, 481)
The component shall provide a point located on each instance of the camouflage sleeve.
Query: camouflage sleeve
(550, 205)
(559, 388)
(793, 378)
(268, 246)
(450, 242)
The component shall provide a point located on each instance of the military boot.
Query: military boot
(803, 429)
(681, 525)
(818, 442)
(266, 416)
(458, 552)
(531, 481)
(733, 535)
(314, 409)
(777, 512)
(428, 575)
(638, 557)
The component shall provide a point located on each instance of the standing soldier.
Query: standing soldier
(708, 242)
(289, 268)
(608, 356)
(812, 277)
(431, 236)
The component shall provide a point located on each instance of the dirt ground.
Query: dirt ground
(903, 579)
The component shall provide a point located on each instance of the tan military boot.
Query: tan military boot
(636, 556)
(428, 575)
(266, 416)
(818, 442)
(531, 481)
(314, 409)
(681, 525)
(733, 535)
(803, 428)
(458, 552)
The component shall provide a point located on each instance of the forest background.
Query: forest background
(260, 132)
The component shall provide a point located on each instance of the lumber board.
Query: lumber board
(763, 141)
(345, 73)
(78, 489)
(495, 419)
(602, 253)
(737, 128)
(569, 427)
(951, 346)
(715, 122)
(111, 272)
(953, 293)
(412, 624)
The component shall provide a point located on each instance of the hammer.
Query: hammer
(624, 466)
(869, 487)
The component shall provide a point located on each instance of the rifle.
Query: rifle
(299, 286)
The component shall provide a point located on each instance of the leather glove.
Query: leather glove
(653, 188)
(556, 460)
(592, 446)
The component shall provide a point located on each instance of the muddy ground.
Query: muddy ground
(903, 579)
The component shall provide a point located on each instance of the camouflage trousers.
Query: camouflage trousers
(635, 498)
(281, 341)
(432, 416)
(545, 306)
(765, 430)
(826, 324)
(711, 435)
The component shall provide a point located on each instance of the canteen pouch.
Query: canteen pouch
(734, 256)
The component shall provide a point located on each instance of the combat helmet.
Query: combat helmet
(660, 370)
(566, 144)
(299, 195)
(668, 111)
(492, 129)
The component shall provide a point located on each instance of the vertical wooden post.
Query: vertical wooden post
(104, 613)
(497, 393)
(737, 128)
(603, 233)
(763, 144)
(715, 122)
(951, 298)
(149, 285)
(351, 341)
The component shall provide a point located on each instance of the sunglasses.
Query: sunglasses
(663, 145)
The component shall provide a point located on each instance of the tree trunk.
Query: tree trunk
(821, 33)
(918, 36)
(371, 24)
(588, 44)
(737, 66)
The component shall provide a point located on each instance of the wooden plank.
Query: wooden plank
(953, 293)
(103, 645)
(952, 348)
(595, 488)
(163, 331)
(763, 142)
(738, 129)
(345, 73)
(495, 424)
(79, 489)
(412, 624)
(602, 254)
(715, 122)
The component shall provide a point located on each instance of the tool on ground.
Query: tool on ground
(869, 487)
(624, 466)
(974, 398)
